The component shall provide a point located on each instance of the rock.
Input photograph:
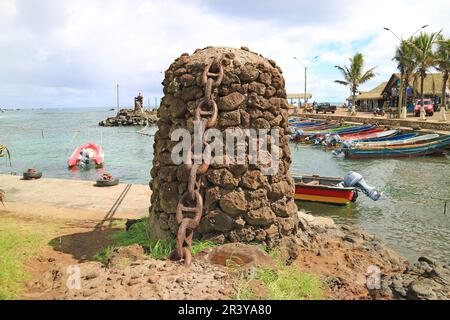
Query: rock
(231, 102)
(216, 221)
(233, 203)
(260, 217)
(253, 180)
(230, 119)
(248, 73)
(257, 87)
(124, 255)
(261, 123)
(222, 178)
(169, 197)
(284, 208)
(240, 256)
(280, 190)
(288, 249)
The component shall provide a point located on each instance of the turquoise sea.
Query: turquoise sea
(410, 217)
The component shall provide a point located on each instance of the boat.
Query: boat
(372, 134)
(86, 155)
(436, 146)
(331, 190)
(323, 189)
(395, 143)
(392, 138)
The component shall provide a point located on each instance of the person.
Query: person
(84, 157)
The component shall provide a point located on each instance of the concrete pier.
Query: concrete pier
(73, 199)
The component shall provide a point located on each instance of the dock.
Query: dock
(74, 199)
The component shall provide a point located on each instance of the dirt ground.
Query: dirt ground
(340, 265)
(340, 256)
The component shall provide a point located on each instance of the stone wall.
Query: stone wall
(240, 203)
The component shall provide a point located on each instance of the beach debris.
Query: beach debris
(106, 180)
(32, 174)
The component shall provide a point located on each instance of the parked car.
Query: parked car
(324, 107)
(427, 105)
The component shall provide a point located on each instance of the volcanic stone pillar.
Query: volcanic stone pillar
(240, 202)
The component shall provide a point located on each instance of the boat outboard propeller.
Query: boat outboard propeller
(355, 180)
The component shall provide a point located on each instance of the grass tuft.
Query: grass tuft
(156, 249)
(283, 283)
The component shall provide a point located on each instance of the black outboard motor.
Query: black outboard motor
(355, 180)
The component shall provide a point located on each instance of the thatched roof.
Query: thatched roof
(299, 96)
(432, 84)
(374, 94)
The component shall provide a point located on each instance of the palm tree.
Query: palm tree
(354, 76)
(424, 57)
(406, 65)
(443, 65)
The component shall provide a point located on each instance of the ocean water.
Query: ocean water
(410, 216)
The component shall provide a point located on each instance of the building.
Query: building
(368, 101)
(295, 100)
(386, 94)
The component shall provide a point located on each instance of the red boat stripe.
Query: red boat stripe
(346, 194)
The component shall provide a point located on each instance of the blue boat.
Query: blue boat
(306, 124)
(437, 146)
(396, 137)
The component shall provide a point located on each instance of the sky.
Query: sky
(57, 53)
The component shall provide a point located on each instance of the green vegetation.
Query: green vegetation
(283, 283)
(139, 234)
(354, 76)
(18, 242)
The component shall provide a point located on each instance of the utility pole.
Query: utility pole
(306, 76)
(118, 97)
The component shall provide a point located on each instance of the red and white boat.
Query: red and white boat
(87, 154)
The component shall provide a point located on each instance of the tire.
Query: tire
(355, 196)
(32, 175)
(107, 183)
(431, 114)
(333, 112)
(416, 114)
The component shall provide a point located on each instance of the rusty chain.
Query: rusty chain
(192, 200)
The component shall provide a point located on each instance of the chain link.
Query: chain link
(192, 201)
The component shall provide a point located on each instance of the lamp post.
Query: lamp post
(306, 72)
(401, 107)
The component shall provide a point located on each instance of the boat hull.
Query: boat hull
(323, 194)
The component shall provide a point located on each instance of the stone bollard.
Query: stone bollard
(241, 204)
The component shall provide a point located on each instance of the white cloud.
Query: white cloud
(59, 53)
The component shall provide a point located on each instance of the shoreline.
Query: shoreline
(339, 255)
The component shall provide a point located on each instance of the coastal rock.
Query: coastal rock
(131, 117)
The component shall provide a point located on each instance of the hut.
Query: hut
(295, 100)
(369, 100)
(432, 87)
